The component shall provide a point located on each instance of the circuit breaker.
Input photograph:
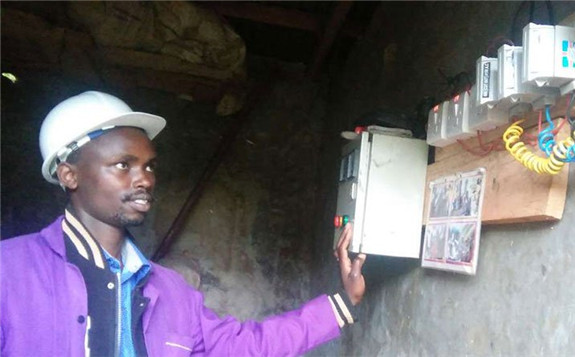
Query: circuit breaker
(457, 125)
(437, 126)
(381, 190)
(485, 116)
(512, 89)
(549, 56)
(486, 75)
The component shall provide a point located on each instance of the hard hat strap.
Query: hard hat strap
(65, 152)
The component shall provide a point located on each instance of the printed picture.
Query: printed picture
(465, 200)
(451, 240)
(435, 242)
(458, 198)
(440, 198)
(460, 242)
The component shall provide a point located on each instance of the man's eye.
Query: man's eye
(121, 165)
(150, 168)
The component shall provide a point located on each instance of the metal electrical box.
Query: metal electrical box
(381, 190)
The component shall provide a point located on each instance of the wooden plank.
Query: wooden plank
(332, 28)
(198, 89)
(278, 16)
(513, 194)
(272, 15)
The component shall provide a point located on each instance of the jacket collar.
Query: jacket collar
(54, 237)
(68, 227)
(82, 240)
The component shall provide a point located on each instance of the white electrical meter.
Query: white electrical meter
(539, 43)
(512, 89)
(437, 126)
(381, 190)
(457, 125)
(486, 80)
(549, 55)
(485, 117)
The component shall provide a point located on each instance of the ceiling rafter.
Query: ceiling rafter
(278, 16)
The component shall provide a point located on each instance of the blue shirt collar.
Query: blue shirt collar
(133, 261)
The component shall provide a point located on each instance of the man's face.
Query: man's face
(115, 178)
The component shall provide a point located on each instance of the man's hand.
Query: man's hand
(351, 276)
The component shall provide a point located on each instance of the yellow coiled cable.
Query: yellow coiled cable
(549, 165)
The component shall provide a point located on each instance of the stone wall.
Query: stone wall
(250, 237)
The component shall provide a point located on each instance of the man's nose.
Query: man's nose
(143, 179)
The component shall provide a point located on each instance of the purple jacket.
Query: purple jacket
(43, 296)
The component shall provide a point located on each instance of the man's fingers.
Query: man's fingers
(357, 265)
(345, 237)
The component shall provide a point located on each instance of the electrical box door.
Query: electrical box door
(381, 190)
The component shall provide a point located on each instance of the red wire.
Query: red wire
(556, 130)
(481, 145)
(498, 145)
(468, 149)
(533, 139)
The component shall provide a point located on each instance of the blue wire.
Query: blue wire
(546, 137)
(570, 154)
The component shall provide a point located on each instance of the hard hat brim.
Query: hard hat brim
(151, 124)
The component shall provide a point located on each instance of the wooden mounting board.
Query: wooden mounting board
(513, 194)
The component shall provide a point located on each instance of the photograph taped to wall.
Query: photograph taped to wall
(452, 234)
(459, 197)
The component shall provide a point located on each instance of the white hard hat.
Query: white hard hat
(73, 119)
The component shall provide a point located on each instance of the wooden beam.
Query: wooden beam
(336, 21)
(272, 15)
(277, 16)
(198, 89)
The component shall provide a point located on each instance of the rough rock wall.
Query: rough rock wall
(202, 43)
(249, 240)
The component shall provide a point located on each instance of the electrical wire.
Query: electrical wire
(560, 153)
(495, 43)
(550, 12)
(546, 138)
(550, 15)
(472, 150)
(568, 114)
(533, 139)
(482, 145)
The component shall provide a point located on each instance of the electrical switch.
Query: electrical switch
(340, 221)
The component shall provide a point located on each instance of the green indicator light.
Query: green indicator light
(345, 220)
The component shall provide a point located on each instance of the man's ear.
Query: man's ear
(67, 175)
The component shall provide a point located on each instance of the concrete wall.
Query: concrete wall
(520, 303)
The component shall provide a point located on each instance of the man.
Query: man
(81, 287)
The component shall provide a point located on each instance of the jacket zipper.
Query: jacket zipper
(87, 336)
(118, 314)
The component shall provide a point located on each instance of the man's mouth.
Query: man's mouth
(140, 202)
